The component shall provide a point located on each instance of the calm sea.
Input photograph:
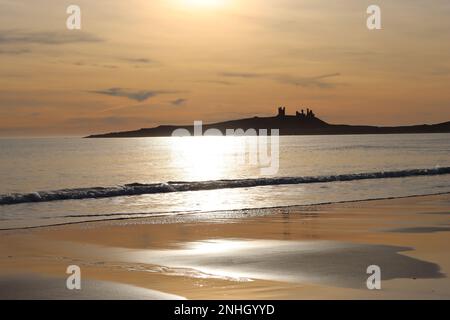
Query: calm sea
(110, 178)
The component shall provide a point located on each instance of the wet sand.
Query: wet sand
(35, 287)
(312, 252)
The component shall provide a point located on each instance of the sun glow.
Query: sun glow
(204, 3)
(205, 158)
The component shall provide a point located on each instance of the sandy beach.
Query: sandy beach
(305, 252)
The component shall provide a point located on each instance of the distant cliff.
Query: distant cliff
(300, 124)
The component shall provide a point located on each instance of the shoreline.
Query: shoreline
(186, 213)
(313, 252)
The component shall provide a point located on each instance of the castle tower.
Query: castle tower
(300, 115)
(281, 112)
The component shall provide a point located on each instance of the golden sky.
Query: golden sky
(141, 63)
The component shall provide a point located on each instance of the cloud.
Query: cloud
(178, 102)
(246, 75)
(138, 60)
(225, 83)
(46, 37)
(95, 65)
(14, 51)
(317, 81)
(314, 81)
(139, 96)
(221, 82)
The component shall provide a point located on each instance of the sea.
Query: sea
(57, 181)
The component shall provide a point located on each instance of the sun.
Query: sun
(205, 3)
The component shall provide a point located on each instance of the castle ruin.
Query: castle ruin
(300, 115)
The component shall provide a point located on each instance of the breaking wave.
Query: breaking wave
(182, 186)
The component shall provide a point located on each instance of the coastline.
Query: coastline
(229, 257)
(284, 124)
(165, 217)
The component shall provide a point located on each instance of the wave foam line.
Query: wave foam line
(183, 186)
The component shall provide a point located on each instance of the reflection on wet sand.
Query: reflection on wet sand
(324, 262)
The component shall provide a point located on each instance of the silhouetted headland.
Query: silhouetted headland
(302, 123)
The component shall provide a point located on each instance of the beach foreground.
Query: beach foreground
(309, 252)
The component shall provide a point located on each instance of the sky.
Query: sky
(142, 63)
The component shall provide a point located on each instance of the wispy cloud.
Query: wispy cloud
(317, 81)
(313, 81)
(46, 37)
(138, 60)
(246, 75)
(225, 83)
(14, 51)
(220, 82)
(95, 65)
(139, 95)
(178, 102)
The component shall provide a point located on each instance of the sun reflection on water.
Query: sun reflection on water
(205, 158)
